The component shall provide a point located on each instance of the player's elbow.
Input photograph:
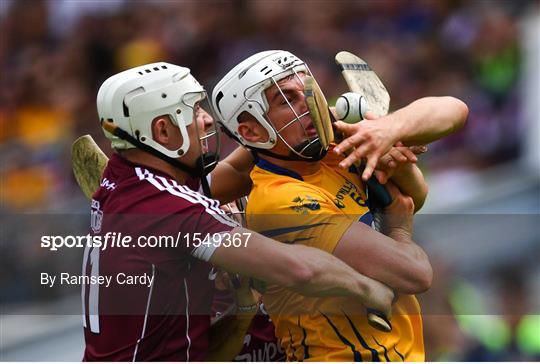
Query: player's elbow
(296, 272)
(420, 197)
(421, 278)
(461, 112)
(418, 273)
(300, 275)
(425, 278)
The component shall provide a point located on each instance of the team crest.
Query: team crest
(304, 205)
(96, 217)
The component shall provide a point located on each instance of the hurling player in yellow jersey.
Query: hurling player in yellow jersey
(301, 196)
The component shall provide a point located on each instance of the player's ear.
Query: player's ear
(161, 132)
(250, 129)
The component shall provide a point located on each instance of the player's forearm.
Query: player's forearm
(393, 260)
(231, 176)
(306, 270)
(428, 119)
(417, 275)
(329, 276)
(410, 181)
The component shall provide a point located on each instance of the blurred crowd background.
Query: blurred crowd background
(55, 54)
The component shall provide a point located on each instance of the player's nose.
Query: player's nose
(208, 122)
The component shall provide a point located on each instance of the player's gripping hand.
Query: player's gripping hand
(397, 218)
(245, 298)
(371, 139)
(380, 298)
(397, 158)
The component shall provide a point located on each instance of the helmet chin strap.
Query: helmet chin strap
(307, 147)
(315, 148)
(200, 171)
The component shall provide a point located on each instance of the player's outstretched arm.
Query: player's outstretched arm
(421, 122)
(308, 271)
(428, 119)
(232, 176)
(391, 257)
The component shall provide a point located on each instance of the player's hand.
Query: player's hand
(397, 158)
(371, 138)
(380, 297)
(242, 291)
(398, 216)
(232, 210)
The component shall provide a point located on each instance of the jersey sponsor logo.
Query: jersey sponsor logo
(96, 217)
(348, 189)
(339, 204)
(304, 205)
(269, 352)
(108, 185)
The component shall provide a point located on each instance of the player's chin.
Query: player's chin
(203, 148)
(310, 148)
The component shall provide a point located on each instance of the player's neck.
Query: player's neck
(140, 157)
(300, 167)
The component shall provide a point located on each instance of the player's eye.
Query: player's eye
(288, 100)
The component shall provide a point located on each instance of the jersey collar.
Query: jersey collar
(271, 167)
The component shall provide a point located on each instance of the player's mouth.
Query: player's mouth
(308, 126)
(311, 131)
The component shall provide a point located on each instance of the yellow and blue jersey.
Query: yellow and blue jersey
(316, 210)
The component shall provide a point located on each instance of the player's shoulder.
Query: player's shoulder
(167, 192)
(139, 189)
(278, 193)
(279, 185)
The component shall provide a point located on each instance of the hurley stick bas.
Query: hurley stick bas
(88, 162)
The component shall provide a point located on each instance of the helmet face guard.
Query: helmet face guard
(243, 90)
(205, 128)
(309, 146)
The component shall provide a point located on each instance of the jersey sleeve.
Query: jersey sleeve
(298, 213)
(206, 225)
(190, 226)
(212, 225)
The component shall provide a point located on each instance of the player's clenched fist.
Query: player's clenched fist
(379, 297)
(398, 216)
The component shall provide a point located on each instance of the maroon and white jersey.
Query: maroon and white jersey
(163, 311)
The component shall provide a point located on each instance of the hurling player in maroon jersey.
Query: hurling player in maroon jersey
(158, 303)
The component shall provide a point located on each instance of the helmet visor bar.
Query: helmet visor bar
(306, 148)
(201, 115)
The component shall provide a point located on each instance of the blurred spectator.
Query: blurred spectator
(501, 326)
(52, 69)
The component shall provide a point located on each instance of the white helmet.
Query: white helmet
(133, 98)
(242, 90)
